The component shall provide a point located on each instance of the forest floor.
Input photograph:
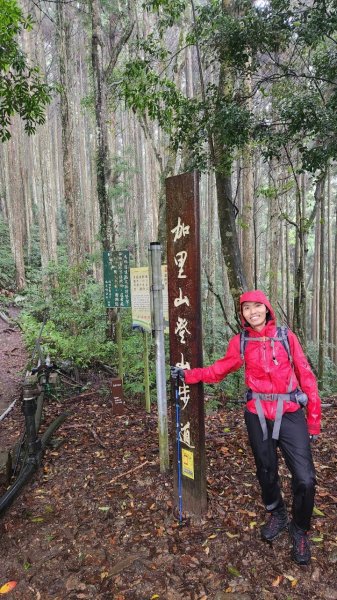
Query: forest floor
(13, 359)
(96, 521)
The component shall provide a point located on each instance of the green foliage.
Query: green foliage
(289, 50)
(306, 115)
(75, 326)
(7, 267)
(317, 21)
(230, 121)
(236, 37)
(32, 254)
(168, 11)
(75, 329)
(189, 122)
(330, 370)
(22, 89)
(144, 90)
(304, 88)
(232, 387)
(219, 112)
(134, 362)
(119, 192)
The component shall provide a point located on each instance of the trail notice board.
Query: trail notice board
(116, 271)
(140, 297)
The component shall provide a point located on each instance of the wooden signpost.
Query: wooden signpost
(116, 271)
(117, 396)
(117, 294)
(183, 261)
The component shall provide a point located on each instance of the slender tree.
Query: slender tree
(23, 90)
(105, 50)
(66, 28)
(322, 301)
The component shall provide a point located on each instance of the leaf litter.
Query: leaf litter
(97, 520)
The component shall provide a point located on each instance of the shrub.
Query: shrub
(7, 266)
(74, 312)
(330, 370)
(72, 306)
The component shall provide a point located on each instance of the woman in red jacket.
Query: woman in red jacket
(278, 384)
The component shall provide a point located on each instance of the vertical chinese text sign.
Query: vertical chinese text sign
(116, 272)
(183, 262)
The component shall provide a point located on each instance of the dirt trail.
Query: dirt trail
(13, 358)
(96, 523)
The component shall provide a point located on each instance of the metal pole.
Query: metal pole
(146, 372)
(30, 393)
(119, 345)
(180, 484)
(158, 327)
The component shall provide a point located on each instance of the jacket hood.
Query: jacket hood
(255, 296)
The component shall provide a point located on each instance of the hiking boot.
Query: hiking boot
(301, 547)
(278, 521)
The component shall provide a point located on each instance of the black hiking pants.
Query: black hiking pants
(294, 443)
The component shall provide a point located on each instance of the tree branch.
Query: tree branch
(218, 297)
(118, 47)
(318, 197)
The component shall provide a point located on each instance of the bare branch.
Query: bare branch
(218, 297)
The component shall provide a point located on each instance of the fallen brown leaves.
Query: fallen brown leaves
(97, 521)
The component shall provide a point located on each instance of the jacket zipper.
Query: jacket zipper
(265, 358)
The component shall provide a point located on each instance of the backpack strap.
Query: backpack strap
(280, 398)
(243, 344)
(282, 334)
(244, 339)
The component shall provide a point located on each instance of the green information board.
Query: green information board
(116, 272)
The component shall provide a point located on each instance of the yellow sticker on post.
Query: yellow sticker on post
(187, 463)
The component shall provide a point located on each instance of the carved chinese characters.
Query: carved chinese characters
(183, 260)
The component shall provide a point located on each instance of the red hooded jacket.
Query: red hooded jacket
(262, 375)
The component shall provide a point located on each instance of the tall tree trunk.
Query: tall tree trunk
(226, 210)
(44, 198)
(330, 282)
(139, 193)
(247, 216)
(71, 168)
(228, 235)
(300, 295)
(43, 172)
(303, 224)
(316, 278)
(210, 262)
(15, 205)
(322, 299)
(287, 251)
(335, 294)
(222, 164)
(103, 171)
(274, 237)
